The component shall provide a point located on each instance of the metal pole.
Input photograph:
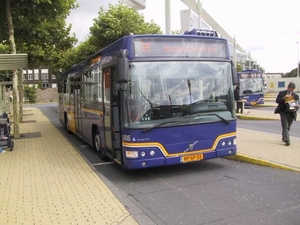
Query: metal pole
(199, 6)
(234, 53)
(250, 61)
(168, 16)
(297, 58)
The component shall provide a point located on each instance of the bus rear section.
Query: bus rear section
(251, 87)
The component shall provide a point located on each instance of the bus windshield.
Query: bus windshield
(160, 91)
(251, 85)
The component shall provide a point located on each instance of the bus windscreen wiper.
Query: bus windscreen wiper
(220, 117)
(158, 125)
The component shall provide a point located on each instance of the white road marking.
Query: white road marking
(100, 164)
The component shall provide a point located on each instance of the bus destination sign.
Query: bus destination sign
(250, 75)
(179, 47)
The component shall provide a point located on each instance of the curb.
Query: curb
(264, 105)
(257, 161)
(241, 117)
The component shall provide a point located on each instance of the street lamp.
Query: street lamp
(297, 58)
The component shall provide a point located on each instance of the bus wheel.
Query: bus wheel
(97, 145)
(67, 124)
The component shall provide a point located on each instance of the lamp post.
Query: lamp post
(297, 58)
(199, 7)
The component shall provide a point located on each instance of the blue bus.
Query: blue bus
(251, 87)
(153, 100)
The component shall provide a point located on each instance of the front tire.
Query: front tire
(97, 146)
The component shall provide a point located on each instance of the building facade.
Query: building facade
(273, 75)
(40, 76)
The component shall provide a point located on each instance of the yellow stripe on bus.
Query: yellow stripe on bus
(165, 152)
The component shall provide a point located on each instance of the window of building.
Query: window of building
(45, 74)
(24, 75)
(53, 77)
(281, 84)
(45, 86)
(36, 74)
(30, 76)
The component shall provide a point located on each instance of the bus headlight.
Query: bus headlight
(132, 154)
(152, 152)
(143, 154)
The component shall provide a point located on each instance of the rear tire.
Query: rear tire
(12, 145)
(67, 125)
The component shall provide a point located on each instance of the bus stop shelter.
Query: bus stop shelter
(10, 62)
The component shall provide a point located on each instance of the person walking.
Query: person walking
(288, 104)
(237, 99)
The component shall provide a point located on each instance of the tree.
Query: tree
(118, 21)
(176, 32)
(14, 73)
(39, 29)
(239, 68)
(77, 54)
(292, 73)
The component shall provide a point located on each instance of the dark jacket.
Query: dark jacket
(281, 104)
(236, 94)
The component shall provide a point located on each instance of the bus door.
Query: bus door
(77, 107)
(111, 114)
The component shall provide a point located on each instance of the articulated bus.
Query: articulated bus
(251, 87)
(153, 100)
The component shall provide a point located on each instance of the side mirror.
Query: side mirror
(123, 67)
(235, 80)
(123, 70)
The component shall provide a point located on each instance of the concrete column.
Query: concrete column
(250, 66)
(168, 16)
(199, 7)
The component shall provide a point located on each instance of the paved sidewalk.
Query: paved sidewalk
(46, 181)
(265, 148)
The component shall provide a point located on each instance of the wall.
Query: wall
(280, 84)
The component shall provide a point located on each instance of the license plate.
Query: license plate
(191, 158)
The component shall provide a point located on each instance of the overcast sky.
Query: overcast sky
(268, 30)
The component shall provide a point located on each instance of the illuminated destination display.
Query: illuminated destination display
(250, 75)
(179, 47)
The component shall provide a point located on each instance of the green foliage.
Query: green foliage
(239, 68)
(5, 76)
(40, 85)
(176, 32)
(118, 21)
(40, 30)
(111, 25)
(292, 73)
(75, 55)
(29, 93)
